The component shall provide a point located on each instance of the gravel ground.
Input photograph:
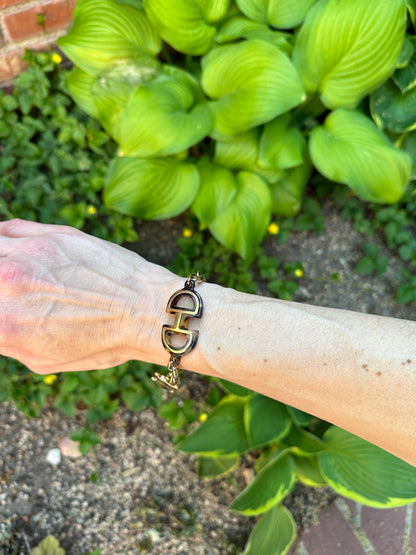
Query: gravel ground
(148, 498)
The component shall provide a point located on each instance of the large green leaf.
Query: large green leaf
(151, 188)
(364, 472)
(281, 146)
(239, 152)
(350, 149)
(273, 534)
(222, 434)
(165, 117)
(287, 190)
(262, 85)
(307, 471)
(282, 14)
(213, 467)
(239, 27)
(347, 48)
(269, 487)
(105, 33)
(242, 224)
(265, 420)
(218, 188)
(393, 109)
(187, 25)
(80, 84)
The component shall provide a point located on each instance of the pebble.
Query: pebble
(53, 456)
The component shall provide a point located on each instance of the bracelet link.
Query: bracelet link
(179, 329)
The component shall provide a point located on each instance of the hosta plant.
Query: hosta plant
(291, 446)
(225, 107)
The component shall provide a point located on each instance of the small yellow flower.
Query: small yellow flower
(203, 417)
(273, 228)
(50, 379)
(56, 58)
(91, 210)
(187, 233)
(298, 273)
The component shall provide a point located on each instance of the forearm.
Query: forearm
(355, 370)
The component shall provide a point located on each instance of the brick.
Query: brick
(11, 64)
(7, 3)
(384, 528)
(332, 536)
(24, 24)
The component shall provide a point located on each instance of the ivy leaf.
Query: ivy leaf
(222, 434)
(262, 85)
(188, 26)
(242, 224)
(363, 472)
(274, 532)
(269, 487)
(393, 109)
(350, 149)
(343, 63)
(283, 14)
(218, 188)
(151, 189)
(104, 34)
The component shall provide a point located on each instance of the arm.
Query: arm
(69, 301)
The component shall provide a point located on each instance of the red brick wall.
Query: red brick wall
(20, 29)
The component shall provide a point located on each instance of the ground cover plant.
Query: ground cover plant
(227, 106)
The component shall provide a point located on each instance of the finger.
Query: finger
(23, 228)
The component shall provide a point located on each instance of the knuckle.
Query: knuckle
(40, 247)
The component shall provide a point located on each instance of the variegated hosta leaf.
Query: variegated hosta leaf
(151, 189)
(282, 14)
(406, 53)
(218, 188)
(287, 191)
(165, 117)
(350, 149)
(105, 33)
(269, 487)
(405, 77)
(188, 25)
(274, 532)
(281, 146)
(262, 85)
(363, 472)
(242, 224)
(393, 110)
(239, 27)
(347, 48)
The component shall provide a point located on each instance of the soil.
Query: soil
(148, 498)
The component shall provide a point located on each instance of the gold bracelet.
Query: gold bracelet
(172, 379)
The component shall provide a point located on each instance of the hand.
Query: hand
(69, 301)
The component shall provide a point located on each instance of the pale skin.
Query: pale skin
(69, 301)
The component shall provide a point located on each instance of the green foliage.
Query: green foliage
(53, 157)
(222, 107)
(395, 226)
(294, 447)
(48, 546)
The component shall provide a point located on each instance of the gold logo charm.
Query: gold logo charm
(186, 339)
(180, 324)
